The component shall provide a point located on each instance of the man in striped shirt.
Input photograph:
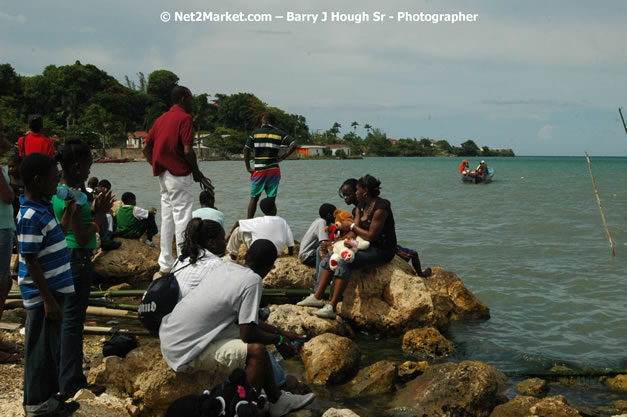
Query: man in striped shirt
(45, 279)
(265, 143)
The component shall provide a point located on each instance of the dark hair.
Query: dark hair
(325, 210)
(92, 180)
(127, 197)
(35, 164)
(35, 122)
(261, 254)
(15, 158)
(268, 118)
(351, 182)
(74, 150)
(105, 183)
(206, 199)
(178, 93)
(371, 184)
(197, 233)
(267, 206)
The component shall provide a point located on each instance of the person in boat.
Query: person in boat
(464, 168)
(374, 222)
(482, 169)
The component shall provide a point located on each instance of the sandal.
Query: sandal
(7, 347)
(6, 358)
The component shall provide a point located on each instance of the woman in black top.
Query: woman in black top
(374, 222)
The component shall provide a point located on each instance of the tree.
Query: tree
(335, 129)
(160, 85)
(241, 111)
(202, 113)
(340, 154)
(367, 127)
(469, 148)
(354, 126)
(377, 142)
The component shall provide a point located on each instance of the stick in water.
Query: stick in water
(596, 190)
(621, 117)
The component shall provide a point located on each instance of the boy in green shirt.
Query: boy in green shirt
(133, 221)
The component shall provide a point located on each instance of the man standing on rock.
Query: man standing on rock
(265, 143)
(216, 328)
(169, 149)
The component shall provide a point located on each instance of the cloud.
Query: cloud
(19, 18)
(546, 132)
(532, 102)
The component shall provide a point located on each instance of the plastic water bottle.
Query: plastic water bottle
(64, 193)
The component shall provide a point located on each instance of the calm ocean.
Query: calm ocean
(531, 244)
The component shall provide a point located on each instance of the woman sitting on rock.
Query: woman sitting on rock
(204, 243)
(374, 222)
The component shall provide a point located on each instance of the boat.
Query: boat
(109, 160)
(473, 178)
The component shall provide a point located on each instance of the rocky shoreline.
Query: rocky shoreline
(389, 301)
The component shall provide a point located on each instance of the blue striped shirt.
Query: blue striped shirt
(38, 232)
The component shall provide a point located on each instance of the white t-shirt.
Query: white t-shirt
(313, 236)
(190, 276)
(273, 228)
(207, 213)
(231, 294)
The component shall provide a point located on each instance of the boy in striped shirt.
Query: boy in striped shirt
(45, 278)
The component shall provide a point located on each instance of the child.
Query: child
(45, 280)
(107, 227)
(133, 221)
(7, 231)
(313, 246)
(412, 255)
(76, 159)
(92, 188)
(208, 210)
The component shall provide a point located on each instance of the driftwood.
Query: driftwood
(596, 190)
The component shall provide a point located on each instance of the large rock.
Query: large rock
(289, 272)
(330, 359)
(467, 389)
(409, 370)
(518, 407)
(535, 387)
(388, 299)
(526, 406)
(303, 320)
(450, 287)
(146, 377)
(133, 261)
(377, 378)
(104, 405)
(427, 344)
(618, 383)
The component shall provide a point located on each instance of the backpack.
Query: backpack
(159, 300)
(119, 344)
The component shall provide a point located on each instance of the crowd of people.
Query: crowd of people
(215, 326)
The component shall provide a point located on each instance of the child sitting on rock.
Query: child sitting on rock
(134, 221)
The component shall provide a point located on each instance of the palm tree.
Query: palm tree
(367, 127)
(354, 126)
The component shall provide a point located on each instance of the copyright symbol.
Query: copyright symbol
(165, 17)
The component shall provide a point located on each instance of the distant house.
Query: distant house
(310, 150)
(393, 140)
(136, 139)
(336, 147)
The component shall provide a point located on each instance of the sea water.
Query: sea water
(531, 244)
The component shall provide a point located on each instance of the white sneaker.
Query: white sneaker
(150, 243)
(326, 312)
(288, 402)
(310, 301)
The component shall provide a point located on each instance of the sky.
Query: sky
(542, 78)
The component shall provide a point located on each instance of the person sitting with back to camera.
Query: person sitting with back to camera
(134, 221)
(374, 222)
(216, 328)
(208, 210)
(270, 226)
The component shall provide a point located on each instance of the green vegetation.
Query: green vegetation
(83, 100)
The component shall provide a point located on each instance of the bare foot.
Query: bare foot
(426, 273)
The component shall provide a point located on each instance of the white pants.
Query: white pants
(237, 238)
(177, 201)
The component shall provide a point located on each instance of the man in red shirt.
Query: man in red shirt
(35, 141)
(169, 149)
